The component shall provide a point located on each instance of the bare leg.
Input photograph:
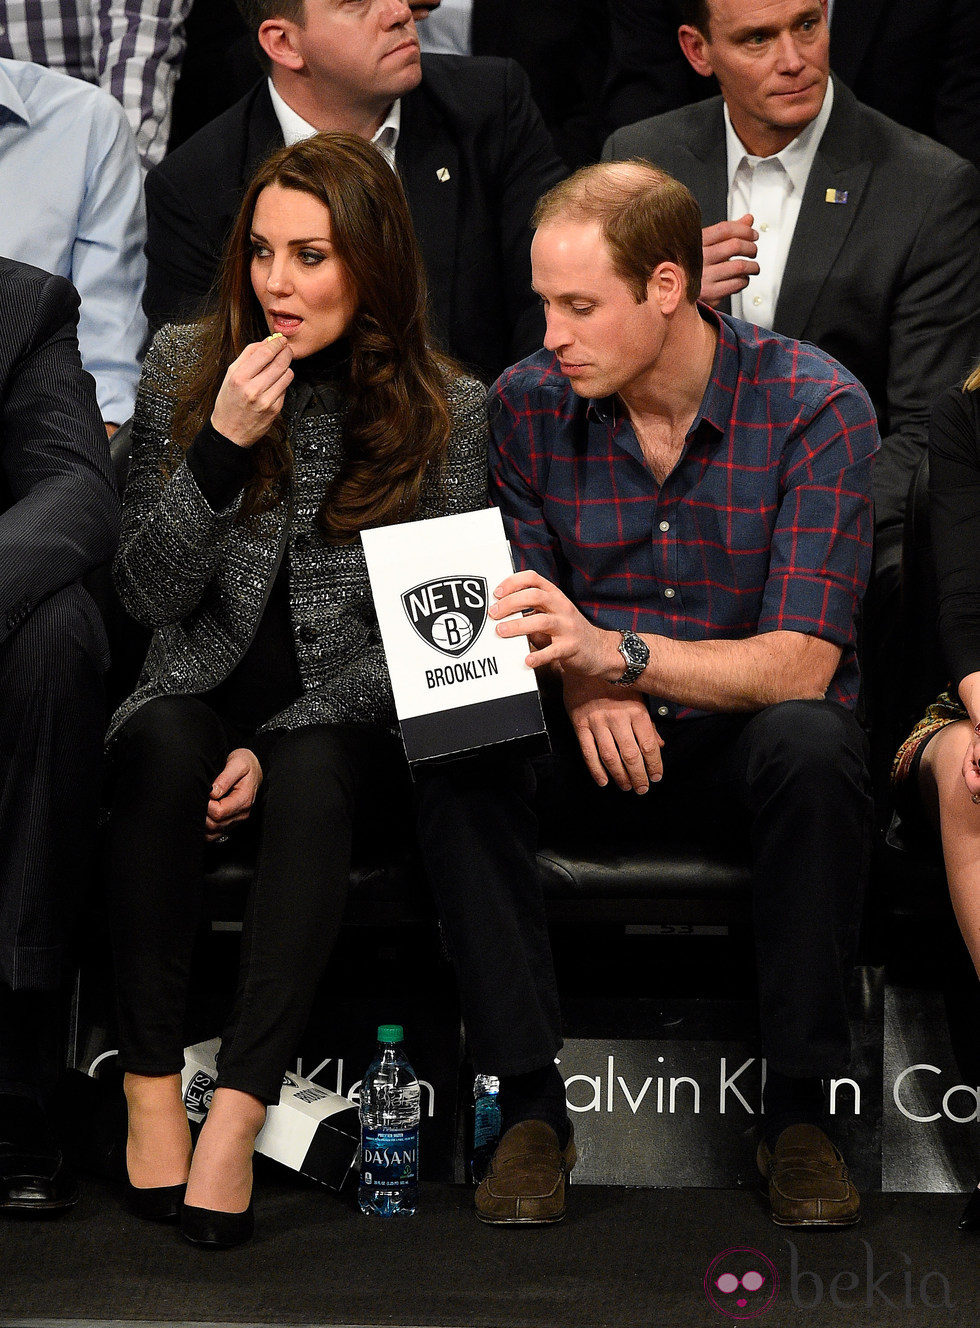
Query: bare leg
(946, 797)
(158, 1144)
(221, 1171)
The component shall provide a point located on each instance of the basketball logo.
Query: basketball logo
(448, 614)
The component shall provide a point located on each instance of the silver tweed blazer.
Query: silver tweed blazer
(202, 581)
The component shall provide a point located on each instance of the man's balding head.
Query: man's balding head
(645, 215)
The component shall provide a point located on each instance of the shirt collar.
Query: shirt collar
(10, 98)
(716, 404)
(295, 128)
(796, 158)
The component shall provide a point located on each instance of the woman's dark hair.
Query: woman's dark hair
(397, 423)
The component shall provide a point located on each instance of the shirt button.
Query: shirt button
(663, 710)
(669, 593)
(756, 299)
(665, 525)
(763, 225)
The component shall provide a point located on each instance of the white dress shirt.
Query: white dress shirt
(295, 129)
(771, 189)
(72, 203)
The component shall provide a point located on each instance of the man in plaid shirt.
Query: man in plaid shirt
(689, 499)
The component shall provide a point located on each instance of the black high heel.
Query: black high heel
(214, 1230)
(970, 1218)
(155, 1203)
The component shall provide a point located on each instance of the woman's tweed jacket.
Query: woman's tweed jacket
(202, 581)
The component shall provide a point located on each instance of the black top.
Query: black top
(266, 679)
(954, 508)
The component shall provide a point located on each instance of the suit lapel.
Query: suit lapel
(851, 30)
(428, 166)
(840, 165)
(710, 152)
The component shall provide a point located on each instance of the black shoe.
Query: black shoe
(156, 1203)
(970, 1217)
(216, 1230)
(33, 1175)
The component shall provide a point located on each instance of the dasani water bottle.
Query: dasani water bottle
(389, 1113)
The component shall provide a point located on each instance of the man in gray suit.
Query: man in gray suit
(826, 221)
(59, 516)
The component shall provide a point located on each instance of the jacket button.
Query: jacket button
(308, 633)
(301, 542)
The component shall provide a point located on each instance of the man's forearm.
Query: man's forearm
(742, 675)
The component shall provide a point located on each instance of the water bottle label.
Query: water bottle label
(389, 1158)
(486, 1123)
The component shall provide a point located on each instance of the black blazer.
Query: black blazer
(59, 509)
(917, 61)
(887, 282)
(470, 121)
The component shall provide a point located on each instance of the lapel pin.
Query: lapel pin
(442, 174)
(835, 196)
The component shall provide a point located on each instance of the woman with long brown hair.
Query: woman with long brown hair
(267, 435)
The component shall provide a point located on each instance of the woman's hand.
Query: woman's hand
(971, 766)
(253, 391)
(233, 793)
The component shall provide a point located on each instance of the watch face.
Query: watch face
(634, 650)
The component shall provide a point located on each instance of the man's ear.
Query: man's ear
(667, 286)
(277, 37)
(694, 45)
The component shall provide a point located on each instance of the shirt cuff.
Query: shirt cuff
(220, 467)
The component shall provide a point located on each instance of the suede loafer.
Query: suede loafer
(808, 1181)
(527, 1182)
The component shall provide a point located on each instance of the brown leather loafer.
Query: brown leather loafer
(528, 1177)
(808, 1181)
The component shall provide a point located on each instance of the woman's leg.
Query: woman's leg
(312, 779)
(166, 759)
(946, 797)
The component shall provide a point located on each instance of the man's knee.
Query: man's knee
(57, 653)
(808, 739)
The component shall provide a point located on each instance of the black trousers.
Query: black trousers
(52, 719)
(478, 834)
(790, 784)
(166, 758)
(51, 725)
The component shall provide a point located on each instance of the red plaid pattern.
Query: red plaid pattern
(764, 524)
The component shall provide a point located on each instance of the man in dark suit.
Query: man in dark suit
(59, 515)
(870, 242)
(468, 143)
(916, 61)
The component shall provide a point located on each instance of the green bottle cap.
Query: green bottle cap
(391, 1033)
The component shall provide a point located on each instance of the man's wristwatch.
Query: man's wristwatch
(636, 653)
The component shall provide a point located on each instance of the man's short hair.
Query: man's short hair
(697, 14)
(647, 218)
(255, 13)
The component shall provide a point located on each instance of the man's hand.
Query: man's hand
(615, 733)
(729, 250)
(559, 632)
(233, 793)
(253, 391)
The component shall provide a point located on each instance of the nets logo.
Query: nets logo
(199, 1092)
(448, 614)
